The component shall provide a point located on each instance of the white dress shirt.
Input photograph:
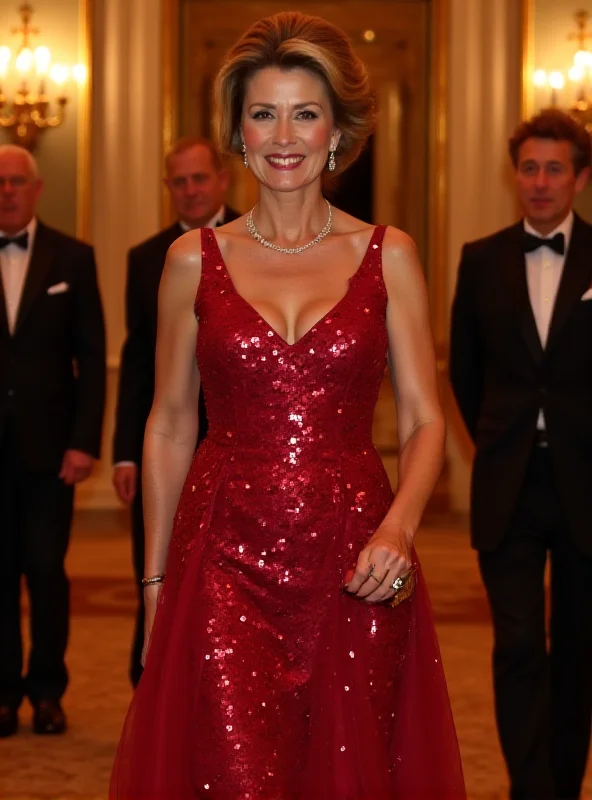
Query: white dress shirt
(14, 265)
(544, 268)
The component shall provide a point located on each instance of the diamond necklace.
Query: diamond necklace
(288, 250)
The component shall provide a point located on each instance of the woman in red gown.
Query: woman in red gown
(280, 665)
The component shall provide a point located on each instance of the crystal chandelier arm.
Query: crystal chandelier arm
(6, 120)
(40, 118)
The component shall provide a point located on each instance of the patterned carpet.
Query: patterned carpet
(77, 765)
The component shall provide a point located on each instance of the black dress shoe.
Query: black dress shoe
(8, 721)
(48, 717)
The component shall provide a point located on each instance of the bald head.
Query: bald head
(20, 188)
(21, 152)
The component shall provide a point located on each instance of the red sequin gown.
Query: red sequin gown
(264, 679)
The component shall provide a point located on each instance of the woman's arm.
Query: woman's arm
(172, 427)
(412, 362)
(421, 423)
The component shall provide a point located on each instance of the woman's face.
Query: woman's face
(287, 127)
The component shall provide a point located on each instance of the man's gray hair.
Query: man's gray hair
(16, 149)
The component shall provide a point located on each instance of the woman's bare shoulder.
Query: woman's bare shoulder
(401, 266)
(182, 269)
(186, 250)
(398, 248)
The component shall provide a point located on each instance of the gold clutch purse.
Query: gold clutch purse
(404, 587)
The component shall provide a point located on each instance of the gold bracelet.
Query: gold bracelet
(153, 579)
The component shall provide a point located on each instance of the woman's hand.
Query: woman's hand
(386, 557)
(151, 593)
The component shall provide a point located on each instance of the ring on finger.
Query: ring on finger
(399, 582)
(378, 580)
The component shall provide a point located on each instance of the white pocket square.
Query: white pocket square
(58, 288)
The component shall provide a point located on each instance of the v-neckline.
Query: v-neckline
(325, 316)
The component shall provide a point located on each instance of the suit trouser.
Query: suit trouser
(137, 520)
(543, 694)
(35, 518)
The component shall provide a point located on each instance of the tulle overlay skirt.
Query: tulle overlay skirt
(264, 679)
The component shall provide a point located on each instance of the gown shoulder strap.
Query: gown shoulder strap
(373, 258)
(209, 259)
(378, 235)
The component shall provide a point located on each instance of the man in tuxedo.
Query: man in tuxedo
(521, 370)
(52, 393)
(197, 182)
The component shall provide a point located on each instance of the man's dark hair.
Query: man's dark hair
(556, 125)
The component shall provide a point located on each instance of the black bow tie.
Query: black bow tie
(22, 240)
(530, 243)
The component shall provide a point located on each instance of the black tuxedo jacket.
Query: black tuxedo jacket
(136, 379)
(502, 376)
(52, 368)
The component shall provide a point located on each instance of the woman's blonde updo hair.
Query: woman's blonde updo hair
(290, 40)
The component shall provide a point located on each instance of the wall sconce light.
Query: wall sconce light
(576, 99)
(28, 111)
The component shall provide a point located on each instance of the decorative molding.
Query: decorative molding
(171, 10)
(84, 135)
(438, 185)
(527, 107)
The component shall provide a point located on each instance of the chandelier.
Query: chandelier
(33, 90)
(573, 94)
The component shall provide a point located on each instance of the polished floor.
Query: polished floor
(76, 766)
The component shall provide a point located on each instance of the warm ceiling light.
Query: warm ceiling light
(556, 80)
(79, 73)
(59, 74)
(576, 73)
(24, 60)
(42, 60)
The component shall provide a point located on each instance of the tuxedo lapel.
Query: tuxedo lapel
(41, 258)
(575, 279)
(514, 269)
(173, 233)
(229, 215)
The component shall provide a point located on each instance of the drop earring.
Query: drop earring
(332, 164)
(245, 159)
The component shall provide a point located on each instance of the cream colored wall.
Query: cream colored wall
(57, 153)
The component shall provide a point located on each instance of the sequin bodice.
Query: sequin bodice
(284, 399)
